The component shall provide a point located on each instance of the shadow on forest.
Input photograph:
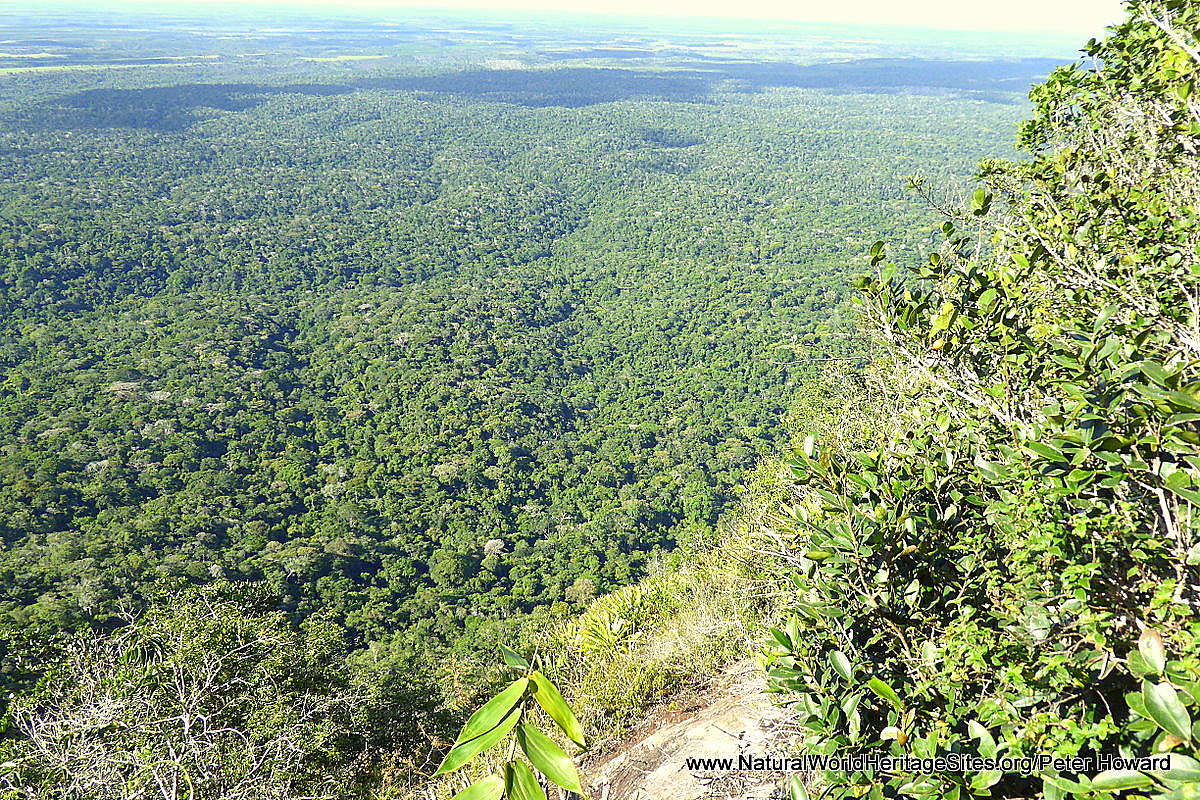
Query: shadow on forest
(869, 74)
(582, 86)
(161, 108)
(174, 108)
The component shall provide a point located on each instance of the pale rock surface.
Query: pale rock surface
(732, 716)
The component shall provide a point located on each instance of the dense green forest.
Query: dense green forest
(981, 557)
(333, 353)
(424, 350)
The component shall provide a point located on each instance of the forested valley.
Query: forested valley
(384, 339)
(424, 351)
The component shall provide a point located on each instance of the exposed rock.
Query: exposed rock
(732, 716)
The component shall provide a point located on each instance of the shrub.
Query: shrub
(1005, 563)
(201, 697)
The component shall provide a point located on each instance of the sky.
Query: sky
(1080, 18)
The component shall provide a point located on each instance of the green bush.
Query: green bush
(1005, 561)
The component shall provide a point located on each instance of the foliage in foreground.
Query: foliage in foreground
(1004, 562)
(207, 696)
(510, 713)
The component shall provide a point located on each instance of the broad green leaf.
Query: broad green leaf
(1186, 398)
(944, 318)
(985, 780)
(796, 788)
(841, 665)
(549, 758)
(1113, 779)
(1164, 707)
(1183, 768)
(987, 744)
(1046, 451)
(990, 470)
(1052, 791)
(886, 692)
(490, 713)
(1179, 479)
(462, 753)
(1191, 495)
(1063, 784)
(981, 201)
(513, 658)
(551, 700)
(520, 782)
(1156, 372)
(1150, 645)
(877, 253)
(489, 788)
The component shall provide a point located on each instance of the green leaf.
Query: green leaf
(987, 744)
(877, 253)
(1062, 784)
(1113, 779)
(513, 658)
(985, 780)
(1179, 479)
(796, 788)
(944, 318)
(1164, 707)
(490, 713)
(1186, 399)
(520, 782)
(489, 788)
(886, 692)
(549, 758)
(1046, 451)
(841, 665)
(1150, 645)
(990, 470)
(551, 700)
(981, 201)
(1183, 768)
(1190, 495)
(461, 754)
(1156, 372)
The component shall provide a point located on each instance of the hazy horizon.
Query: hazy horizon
(1077, 19)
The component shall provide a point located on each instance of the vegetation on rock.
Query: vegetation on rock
(1004, 558)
